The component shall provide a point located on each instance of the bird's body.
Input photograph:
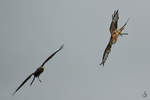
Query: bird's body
(115, 33)
(38, 71)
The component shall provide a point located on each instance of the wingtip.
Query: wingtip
(127, 20)
(101, 64)
(116, 11)
(13, 93)
(61, 46)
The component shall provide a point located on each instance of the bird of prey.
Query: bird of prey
(38, 71)
(114, 35)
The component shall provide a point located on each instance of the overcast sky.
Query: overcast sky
(31, 30)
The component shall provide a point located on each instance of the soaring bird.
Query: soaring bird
(38, 71)
(114, 35)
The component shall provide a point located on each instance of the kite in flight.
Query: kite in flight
(114, 35)
(38, 71)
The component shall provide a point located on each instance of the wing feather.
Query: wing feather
(23, 83)
(52, 55)
(106, 52)
(114, 23)
(122, 28)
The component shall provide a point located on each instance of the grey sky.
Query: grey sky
(31, 30)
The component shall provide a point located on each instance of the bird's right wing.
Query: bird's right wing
(23, 83)
(52, 55)
(114, 23)
(106, 52)
(122, 28)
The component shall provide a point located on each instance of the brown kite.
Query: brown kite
(38, 71)
(114, 35)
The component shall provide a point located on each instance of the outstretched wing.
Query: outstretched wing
(52, 55)
(122, 28)
(23, 83)
(114, 23)
(106, 52)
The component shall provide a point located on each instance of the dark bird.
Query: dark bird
(114, 35)
(38, 71)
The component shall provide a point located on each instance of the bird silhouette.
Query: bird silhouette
(38, 71)
(114, 35)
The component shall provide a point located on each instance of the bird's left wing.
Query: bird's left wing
(106, 52)
(23, 83)
(52, 55)
(114, 23)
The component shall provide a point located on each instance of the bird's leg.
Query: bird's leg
(32, 80)
(40, 80)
